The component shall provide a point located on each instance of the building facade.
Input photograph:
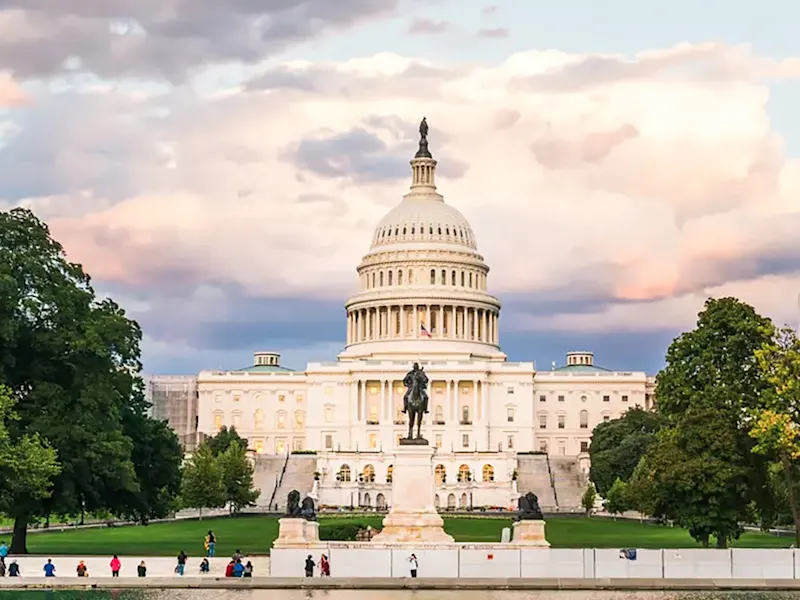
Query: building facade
(423, 297)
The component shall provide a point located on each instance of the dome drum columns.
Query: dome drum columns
(422, 321)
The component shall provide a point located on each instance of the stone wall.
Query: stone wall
(157, 566)
(507, 561)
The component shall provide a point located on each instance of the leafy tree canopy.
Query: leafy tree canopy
(202, 486)
(237, 477)
(616, 500)
(223, 440)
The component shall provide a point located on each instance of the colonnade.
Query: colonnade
(439, 321)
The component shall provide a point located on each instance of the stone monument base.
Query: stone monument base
(296, 532)
(413, 517)
(529, 533)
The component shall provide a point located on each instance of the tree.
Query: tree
(224, 439)
(589, 498)
(157, 457)
(202, 485)
(776, 426)
(27, 465)
(72, 362)
(702, 472)
(616, 501)
(618, 444)
(237, 477)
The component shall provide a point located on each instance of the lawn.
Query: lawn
(254, 535)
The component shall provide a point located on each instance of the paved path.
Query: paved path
(402, 583)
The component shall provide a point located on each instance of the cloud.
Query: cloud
(602, 201)
(493, 33)
(427, 26)
(11, 94)
(163, 38)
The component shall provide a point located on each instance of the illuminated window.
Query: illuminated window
(281, 420)
(488, 473)
(299, 399)
(439, 414)
(259, 446)
(329, 391)
(438, 440)
(373, 414)
(281, 398)
(218, 420)
(373, 441)
(463, 473)
(259, 419)
(344, 473)
(298, 443)
(236, 419)
(440, 474)
(299, 419)
(280, 446)
(369, 473)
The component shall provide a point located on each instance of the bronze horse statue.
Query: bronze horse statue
(415, 401)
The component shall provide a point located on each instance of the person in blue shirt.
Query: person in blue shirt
(3, 550)
(49, 569)
(238, 569)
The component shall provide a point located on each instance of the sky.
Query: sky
(218, 167)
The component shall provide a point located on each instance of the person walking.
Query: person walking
(49, 568)
(310, 564)
(324, 566)
(211, 544)
(3, 550)
(413, 564)
(115, 565)
(181, 566)
(2, 568)
(141, 570)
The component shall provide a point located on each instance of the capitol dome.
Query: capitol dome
(423, 283)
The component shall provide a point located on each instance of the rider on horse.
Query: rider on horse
(416, 381)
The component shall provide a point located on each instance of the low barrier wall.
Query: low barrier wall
(157, 566)
(497, 561)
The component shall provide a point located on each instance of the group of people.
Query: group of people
(324, 566)
(13, 567)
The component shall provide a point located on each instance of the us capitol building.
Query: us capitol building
(424, 297)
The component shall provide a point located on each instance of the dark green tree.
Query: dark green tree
(701, 473)
(72, 362)
(27, 464)
(616, 499)
(223, 440)
(237, 477)
(618, 444)
(202, 485)
(589, 498)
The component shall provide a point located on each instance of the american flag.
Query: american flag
(423, 332)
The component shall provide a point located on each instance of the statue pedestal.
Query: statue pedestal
(296, 532)
(530, 533)
(413, 517)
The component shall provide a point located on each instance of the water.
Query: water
(385, 595)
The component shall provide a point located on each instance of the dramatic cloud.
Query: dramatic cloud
(607, 194)
(166, 38)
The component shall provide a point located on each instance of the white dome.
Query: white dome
(423, 219)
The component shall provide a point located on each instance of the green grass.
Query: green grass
(254, 535)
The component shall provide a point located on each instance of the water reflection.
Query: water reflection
(385, 595)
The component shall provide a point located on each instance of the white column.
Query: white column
(475, 410)
(449, 397)
(475, 324)
(485, 325)
(428, 325)
(415, 333)
(382, 408)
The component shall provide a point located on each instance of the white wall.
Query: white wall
(157, 566)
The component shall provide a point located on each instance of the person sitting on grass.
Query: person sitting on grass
(141, 570)
(205, 566)
(81, 570)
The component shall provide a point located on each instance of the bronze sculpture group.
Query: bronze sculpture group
(415, 400)
(296, 510)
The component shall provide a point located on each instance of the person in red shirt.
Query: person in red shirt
(116, 565)
(229, 569)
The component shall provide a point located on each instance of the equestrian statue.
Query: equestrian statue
(415, 401)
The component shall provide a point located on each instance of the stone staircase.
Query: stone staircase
(570, 482)
(533, 475)
(266, 474)
(299, 476)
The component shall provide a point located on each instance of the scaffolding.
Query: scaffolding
(174, 399)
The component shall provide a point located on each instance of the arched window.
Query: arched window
(463, 503)
(433, 276)
(488, 473)
(389, 473)
(463, 473)
(463, 275)
(380, 279)
(451, 502)
(410, 276)
(440, 474)
(390, 277)
(280, 419)
(453, 278)
(236, 419)
(259, 419)
(436, 502)
(380, 502)
(584, 419)
(470, 279)
(219, 419)
(299, 419)
(465, 415)
(369, 473)
(400, 277)
(373, 280)
(367, 500)
(344, 473)
(439, 414)
(444, 277)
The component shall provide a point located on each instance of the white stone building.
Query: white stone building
(424, 297)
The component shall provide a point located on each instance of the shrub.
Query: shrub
(340, 532)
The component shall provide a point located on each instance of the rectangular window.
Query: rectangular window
(511, 442)
(281, 420)
(373, 441)
(299, 419)
(542, 398)
(299, 399)
(259, 446)
(510, 390)
(561, 421)
(606, 418)
(438, 440)
(328, 442)
(329, 414)
(217, 422)
(281, 398)
(584, 446)
(373, 415)
(543, 446)
(542, 421)
(298, 444)
(510, 415)
(624, 398)
(561, 398)
(465, 440)
(606, 398)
